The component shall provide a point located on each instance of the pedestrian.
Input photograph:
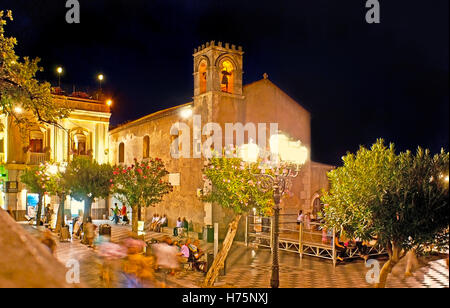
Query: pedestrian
(185, 225)
(178, 227)
(123, 213)
(116, 214)
(300, 217)
(90, 232)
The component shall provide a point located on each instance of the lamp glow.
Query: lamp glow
(100, 77)
(109, 102)
(288, 151)
(249, 152)
(59, 70)
(186, 113)
(18, 109)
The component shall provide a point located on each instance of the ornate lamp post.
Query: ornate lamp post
(284, 163)
(59, 71)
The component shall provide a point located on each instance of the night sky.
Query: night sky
(359, 81)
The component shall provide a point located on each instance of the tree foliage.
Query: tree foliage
(20, 88)
(143, 183)
(236, 187)
(86, 178)
(399, 200)
(39, 180)
(394, 198)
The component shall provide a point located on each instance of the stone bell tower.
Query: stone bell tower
(218, 99)
(218, 68)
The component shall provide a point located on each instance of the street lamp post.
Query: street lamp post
(285, 161)
(59, 70)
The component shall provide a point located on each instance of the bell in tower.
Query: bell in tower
(218, 68)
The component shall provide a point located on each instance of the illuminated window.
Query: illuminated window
(226, 76)
(202, 75)
(121, 152)
(146, 147)
(36, 142)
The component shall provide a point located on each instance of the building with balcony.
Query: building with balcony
(83, 133)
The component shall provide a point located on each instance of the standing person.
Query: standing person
(123, 213)
(307, 219)
(116, 214)
(90, 232)
(185, 225)
(300, 217)
(178, 226)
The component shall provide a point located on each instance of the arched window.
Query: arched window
(121, 152)
(202, 76)
(226, 76)
(146, 147)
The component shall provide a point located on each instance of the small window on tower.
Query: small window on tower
(202, 76)
(226, 77)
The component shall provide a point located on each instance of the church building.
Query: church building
(219, 97)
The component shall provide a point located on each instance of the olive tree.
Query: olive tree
(399, 200)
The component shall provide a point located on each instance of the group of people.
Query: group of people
(341, 243)
(181, 227)
(158, 222)
(188, 252)
(120, 214)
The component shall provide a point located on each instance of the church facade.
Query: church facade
(221, 98)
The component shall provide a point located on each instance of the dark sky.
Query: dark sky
(359, 81)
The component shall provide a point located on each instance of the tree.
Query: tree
(142, 184)
(234, 187)
(399, 200)
(39, 180)
(87, 180)
(20, 88)
(59, 188)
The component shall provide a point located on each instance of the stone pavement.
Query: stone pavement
(250, 268)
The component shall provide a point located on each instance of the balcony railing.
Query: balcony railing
(37, 158)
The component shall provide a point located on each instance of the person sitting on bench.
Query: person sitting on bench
(195, 254)
(161, 223)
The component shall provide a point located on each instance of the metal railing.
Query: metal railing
(308, 238)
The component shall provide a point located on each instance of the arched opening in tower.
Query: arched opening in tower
(226, 76)
(202, 75)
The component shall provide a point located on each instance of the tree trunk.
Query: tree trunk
(60, 217)
(39, 210)
(394, 258)
(135, 219)
(219, 261)
(87, 209)
(87, 213)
